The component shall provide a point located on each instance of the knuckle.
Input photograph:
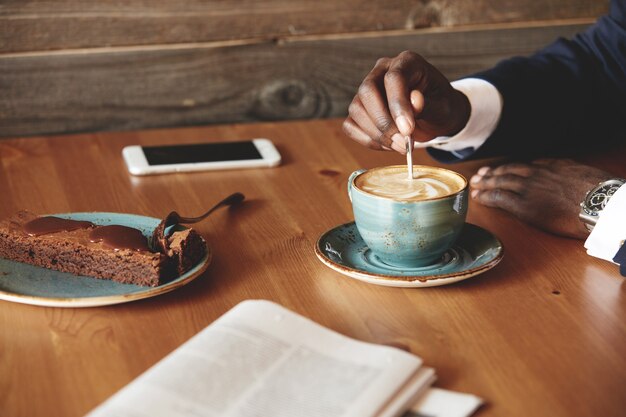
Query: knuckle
(382, 61)
(354, 108)
(347, 127)
(505, 180)
(382, 140)
(526, 171)
(495, 195)
(485, 197)
(489, 181)
(498, 181)
(408, 55)
(384, 124)
(509, 170)
(366, 89)
(502, 169)
(393, 76)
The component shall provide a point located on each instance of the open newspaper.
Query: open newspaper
(260, 359)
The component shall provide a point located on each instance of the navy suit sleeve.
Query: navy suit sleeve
(620, 258)
(573, 92)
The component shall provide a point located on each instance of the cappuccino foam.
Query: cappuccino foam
(393, 182)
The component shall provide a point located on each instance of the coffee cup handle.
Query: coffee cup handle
(351, 178)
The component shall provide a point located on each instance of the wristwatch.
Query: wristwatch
(596, 199)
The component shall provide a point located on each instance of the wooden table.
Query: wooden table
(542, 334)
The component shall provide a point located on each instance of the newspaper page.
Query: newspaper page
(260, 359)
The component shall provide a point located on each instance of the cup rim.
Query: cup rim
(463, 188)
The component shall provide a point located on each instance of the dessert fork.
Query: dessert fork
(158, 241)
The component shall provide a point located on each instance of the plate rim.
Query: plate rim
(97, 301)
(405, 281)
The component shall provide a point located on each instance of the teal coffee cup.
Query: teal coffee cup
(408, 223)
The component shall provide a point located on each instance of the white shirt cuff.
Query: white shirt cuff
(610, 230)
(486, 107)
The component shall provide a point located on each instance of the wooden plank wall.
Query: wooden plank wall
(77, 66)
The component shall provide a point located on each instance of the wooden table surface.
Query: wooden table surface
(541, 334)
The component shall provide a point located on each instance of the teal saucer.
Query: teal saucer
(343, 250)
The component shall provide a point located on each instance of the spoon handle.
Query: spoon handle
(409, 156)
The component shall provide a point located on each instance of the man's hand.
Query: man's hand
(546, 193)
(405, 96)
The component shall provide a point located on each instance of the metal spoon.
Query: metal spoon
(409, 156)
(158, 240)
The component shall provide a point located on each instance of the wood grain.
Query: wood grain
(303, 77)
(28, 25)
(542, 334)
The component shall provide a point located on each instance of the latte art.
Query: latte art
(392, 182)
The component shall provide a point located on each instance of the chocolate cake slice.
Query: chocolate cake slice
(116, 252)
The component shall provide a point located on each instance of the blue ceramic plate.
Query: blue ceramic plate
(30, 284)
(343, 250)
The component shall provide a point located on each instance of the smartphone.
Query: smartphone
(148, 160)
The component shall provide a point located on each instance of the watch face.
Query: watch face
(597, 200)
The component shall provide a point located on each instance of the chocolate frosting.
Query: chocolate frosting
(46, 225)
(120, 237)
(116, 237)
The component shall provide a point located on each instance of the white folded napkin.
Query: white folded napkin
(438, 402)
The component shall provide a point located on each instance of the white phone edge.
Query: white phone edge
(137, 164)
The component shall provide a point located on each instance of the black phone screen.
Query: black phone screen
(202, 152)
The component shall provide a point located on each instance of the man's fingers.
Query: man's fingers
(497, 197)
(361, 117)
(501, 186)
(510, 182)
(352, 130)
(371, 96)
(523, 170)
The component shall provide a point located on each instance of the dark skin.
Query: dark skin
(406, 96)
